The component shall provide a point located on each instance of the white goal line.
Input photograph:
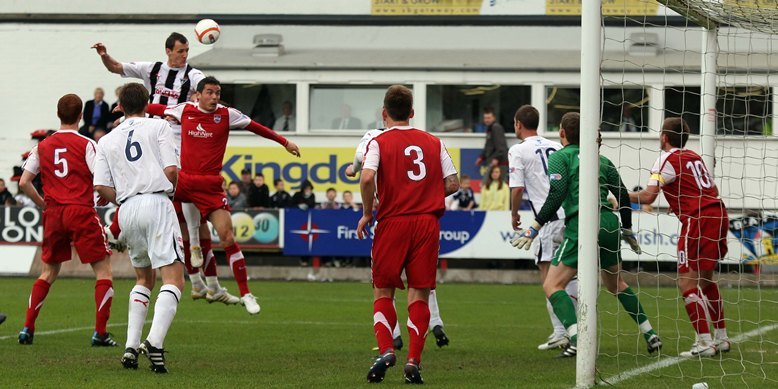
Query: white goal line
(676, 360)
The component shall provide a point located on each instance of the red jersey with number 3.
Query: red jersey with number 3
(65, 161)
(686, 183)
(410, 166)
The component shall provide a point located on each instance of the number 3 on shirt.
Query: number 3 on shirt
(418, 161)
(59, 160)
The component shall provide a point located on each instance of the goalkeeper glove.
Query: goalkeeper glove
(628, 236)
(523, 239)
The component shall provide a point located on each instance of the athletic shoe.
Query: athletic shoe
(397, 343)
(222, 296)
(156, 357)
(114, 242)
(570, 351)
(412, 373)
(700, 349)
(723, 345)
(381, 364)
(198, 294)
(196, 259)
(2, 318)
(103, 340)
(654, 343)
(25, 336)
(440, 336)
(130, 358)
(553, 342)
(250, 302)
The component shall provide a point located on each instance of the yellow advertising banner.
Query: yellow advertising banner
(609, 7)
(325, 167)
(425, 7)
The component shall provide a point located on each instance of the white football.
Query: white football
(207, 31)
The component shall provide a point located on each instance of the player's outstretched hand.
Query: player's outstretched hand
(523, 238)
(515, 221)
(364, 223)
(350, 170)
(628, 236)
(100, 48)
(292, 148)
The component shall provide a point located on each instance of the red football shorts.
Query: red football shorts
(180, 213)
(703, 240)
(63, 224)
(204, 191)
(411, 243)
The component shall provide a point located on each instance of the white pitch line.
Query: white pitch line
(675, 360)
(66, 330)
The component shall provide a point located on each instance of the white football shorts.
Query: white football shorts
(150, 228)
(549, 238)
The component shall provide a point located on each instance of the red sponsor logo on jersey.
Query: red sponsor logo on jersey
(200, 132)
(166, 92)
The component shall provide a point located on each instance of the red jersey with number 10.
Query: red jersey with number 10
(65, 162)
(410, 170)
(691, 188)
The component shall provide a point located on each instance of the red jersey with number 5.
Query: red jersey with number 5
(686, 183)
(65, 161)
(410, 166)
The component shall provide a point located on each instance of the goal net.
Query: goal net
(711, 62)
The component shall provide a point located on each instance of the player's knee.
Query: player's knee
(227, 239)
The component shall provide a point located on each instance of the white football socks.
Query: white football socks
(164, 312)
(192, 217)
(197, 280)
(213, 283)
(139, 306)
(435, 319)
(559, 328)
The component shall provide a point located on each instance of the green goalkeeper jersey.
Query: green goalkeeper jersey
(563, 167)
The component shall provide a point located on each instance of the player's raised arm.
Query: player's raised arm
(109, 62)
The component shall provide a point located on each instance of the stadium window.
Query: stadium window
(346, 107)
(744, 110)
(623, 109)
(459, 108)
(263, 103)
(684, 101)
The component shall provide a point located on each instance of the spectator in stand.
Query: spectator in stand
(280, 199)
(285, 122)
(348, 201)
(304, 198)
(259, 194)
(6, 198)
(346, 121)
(96, 115)
(114, 115)
(330, 202)
(495, 195)
(235, 198)
(245, 181)
(464, 198)
(495, 152)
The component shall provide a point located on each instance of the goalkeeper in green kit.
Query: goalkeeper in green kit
(563, 175)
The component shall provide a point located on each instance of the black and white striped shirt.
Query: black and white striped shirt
(168, 83)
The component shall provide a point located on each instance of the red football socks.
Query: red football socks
(696, 310)
(238, 265)
(418, 324)
(103, 299)
(715, 305)
(210, 259)
(39, 291)
(384, 321)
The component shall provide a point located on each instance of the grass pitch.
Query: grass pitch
(320, 335)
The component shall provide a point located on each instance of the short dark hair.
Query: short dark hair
(347, 191)
(210, 80)
(259, 175)
(68, 108)
(571, 124)
(3, 181)
(489, 110)
(677, 131)
(245, 171)
(464, 177)
(528, 116)
(133, 98)
(331, 189)
(276, 181)
(398, 102)
(236, 183)
(171, 40)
